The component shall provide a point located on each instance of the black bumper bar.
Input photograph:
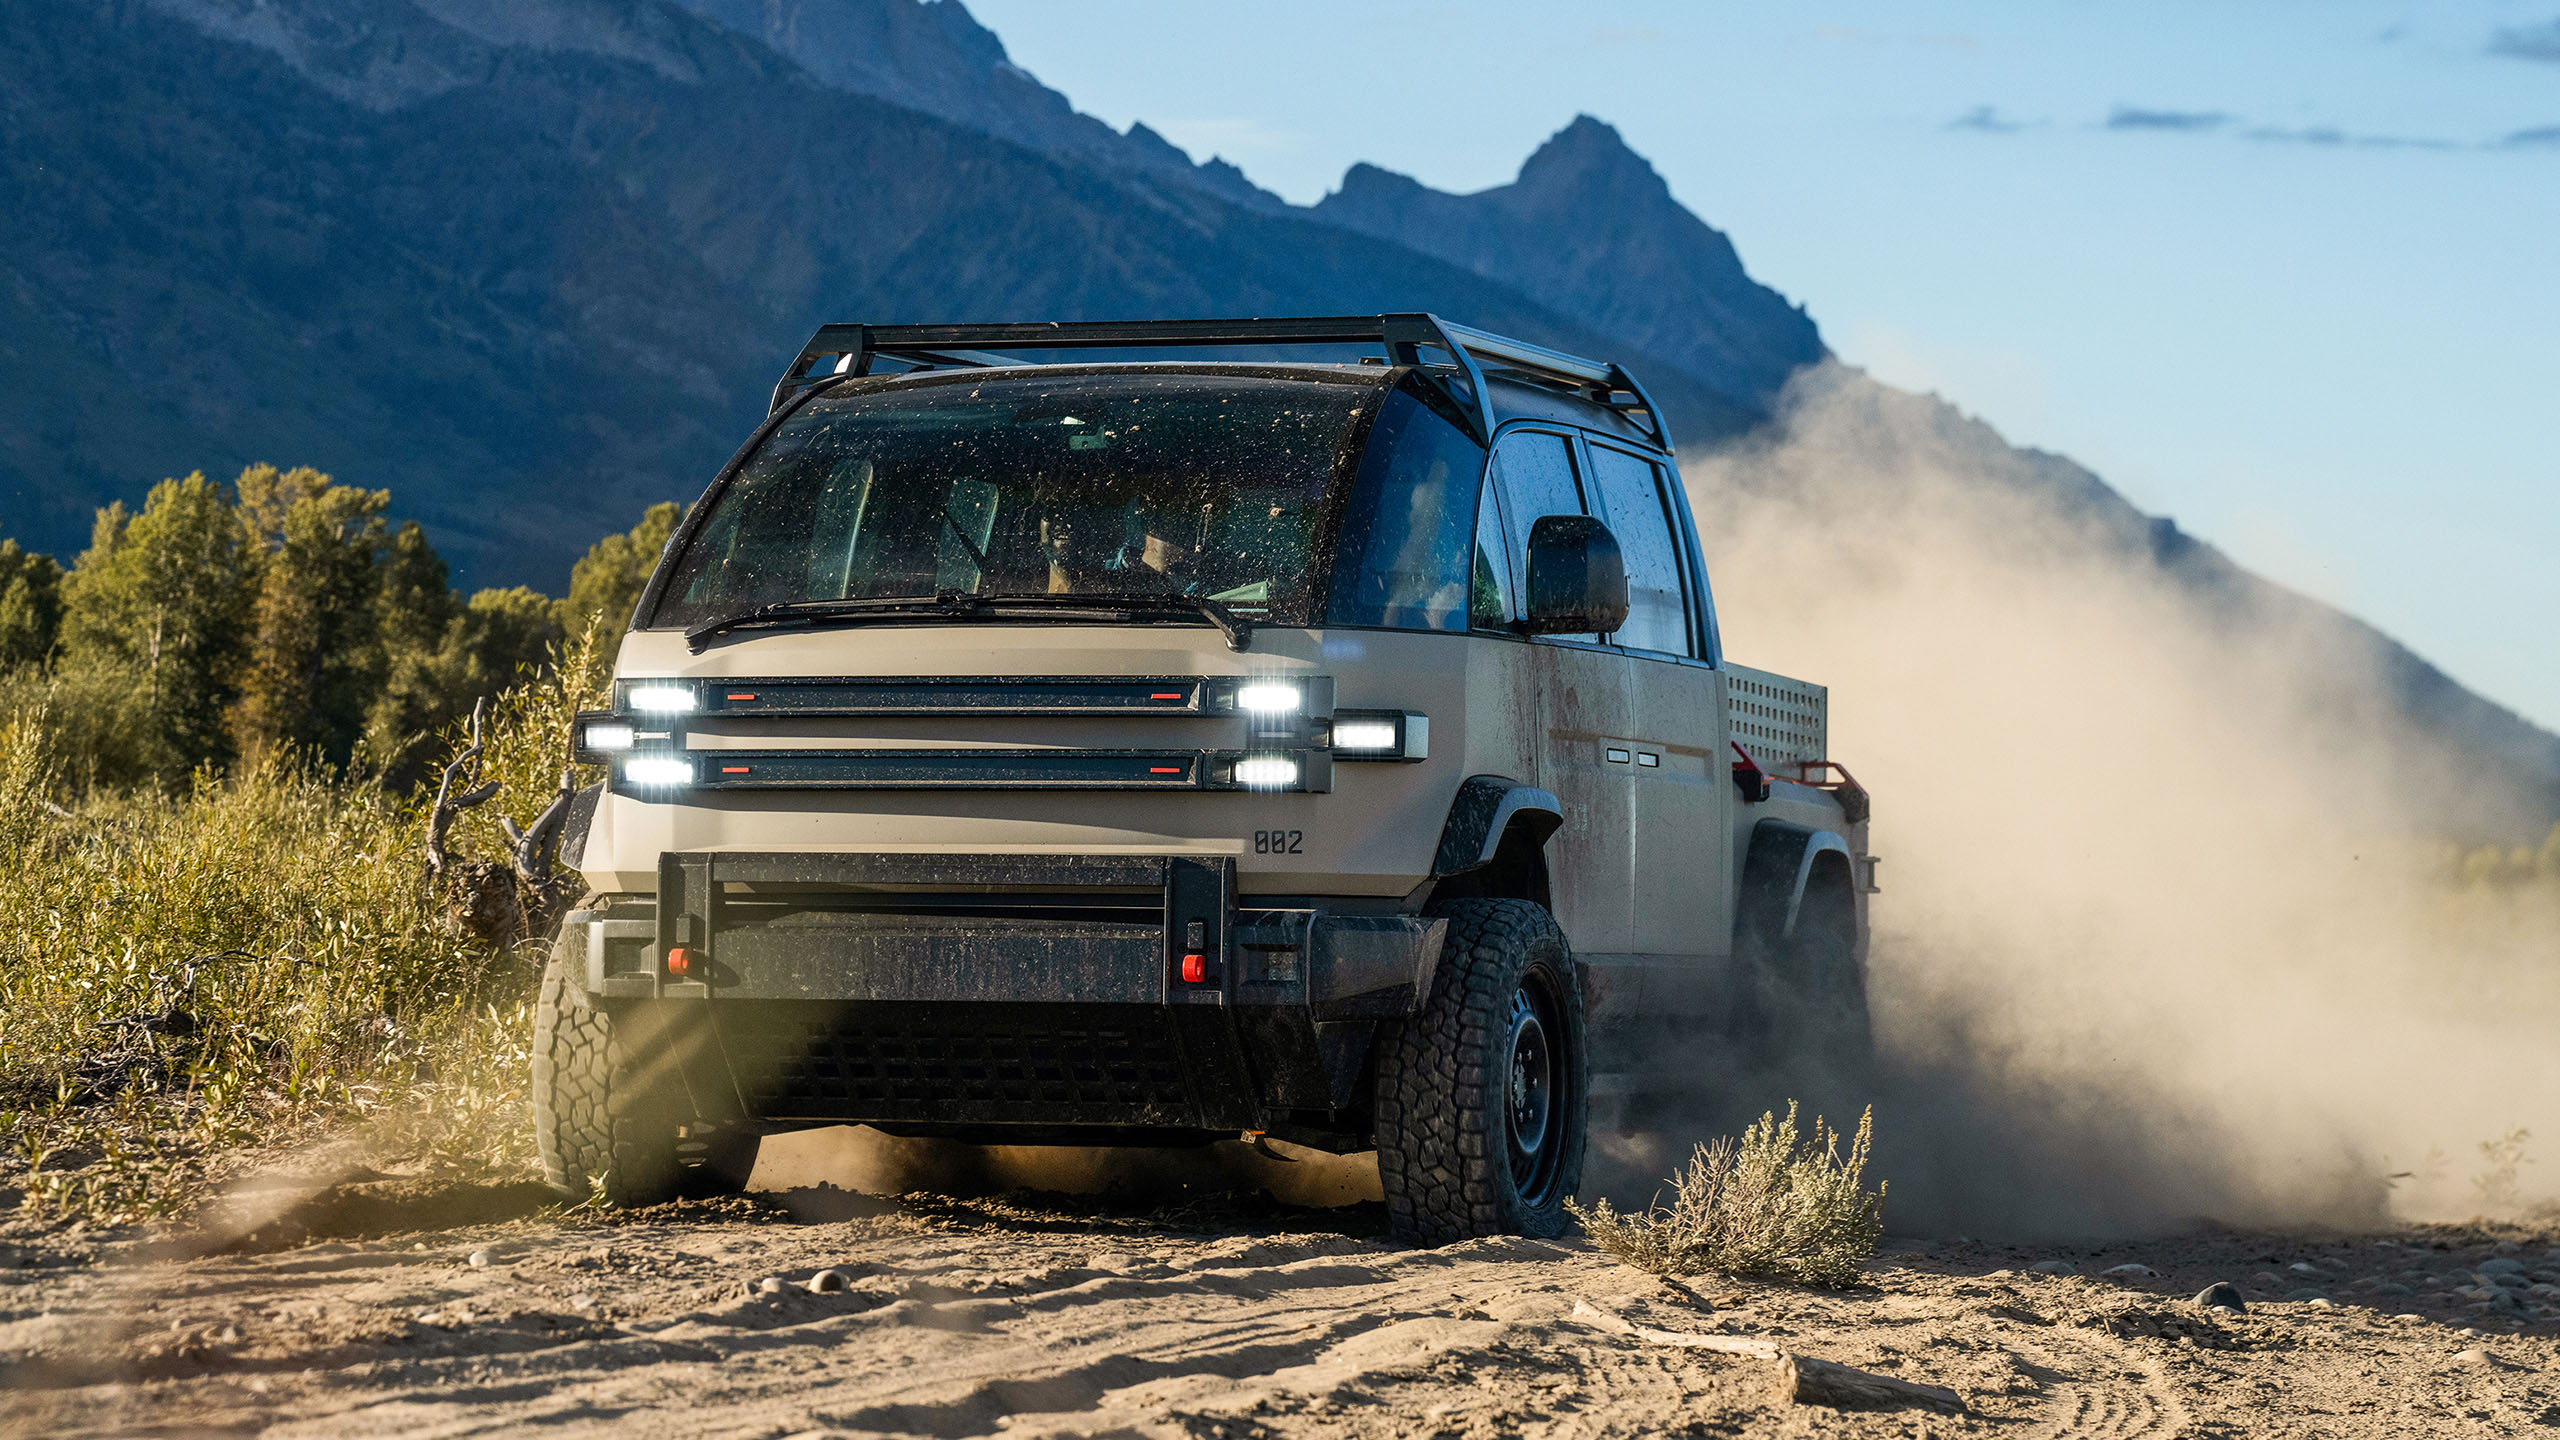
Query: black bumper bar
(970, 990)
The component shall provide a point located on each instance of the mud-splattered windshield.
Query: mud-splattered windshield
(1209, 486)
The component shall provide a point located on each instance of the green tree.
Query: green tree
(412, 609)
(608, 579)
(162, 599)
(30, 606)
(314, 659)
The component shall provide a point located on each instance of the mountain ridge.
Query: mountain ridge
(533, 265)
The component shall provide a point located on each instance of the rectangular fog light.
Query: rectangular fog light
(662, 699)
(609, 735)
(1268, 698)
(1381, 735)
(657, 770)
(1266, 772)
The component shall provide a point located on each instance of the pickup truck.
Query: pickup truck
(1324, 734)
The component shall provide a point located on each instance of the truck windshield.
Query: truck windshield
(1210, 486)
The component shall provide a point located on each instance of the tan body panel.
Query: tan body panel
(1645, 867)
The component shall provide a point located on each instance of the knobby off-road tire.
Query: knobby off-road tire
(610, 1111)
(1481, 1096)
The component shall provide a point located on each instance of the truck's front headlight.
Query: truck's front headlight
(1381, 735)
(661, 699)
(657, 770)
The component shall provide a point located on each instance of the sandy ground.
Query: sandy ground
(1212, 1318)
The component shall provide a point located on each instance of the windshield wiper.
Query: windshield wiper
(962, 605)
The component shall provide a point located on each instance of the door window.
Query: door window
(1535, 469)
(1489, 597)
(1631, 503)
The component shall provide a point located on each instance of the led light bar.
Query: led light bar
(1269, 697)
(605, 736)
(661, 699)
(1381, 735)
(1297, 772)
(1266, 772)
(657, 770)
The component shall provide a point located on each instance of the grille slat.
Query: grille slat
(899, 1062)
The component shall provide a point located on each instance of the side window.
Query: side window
(1407, 544)
(1536, 473)
(1631, 504)
(1489, 597)
(1537, 470)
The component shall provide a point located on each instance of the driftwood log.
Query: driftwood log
(500, 903)
(1800, 1379)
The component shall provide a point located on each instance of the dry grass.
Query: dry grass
(1774, 1204)
(253, 964)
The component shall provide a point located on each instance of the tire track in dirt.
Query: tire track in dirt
(956, 1324)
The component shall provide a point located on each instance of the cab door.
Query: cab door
(1681, 826)
(1585, 723)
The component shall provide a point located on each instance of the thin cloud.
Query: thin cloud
(2127, 117)
(2332, 136)
(2541, 137)
(2528, 42)
(1986, 120)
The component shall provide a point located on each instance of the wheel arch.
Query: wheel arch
(1785, 864)
(1493, 845)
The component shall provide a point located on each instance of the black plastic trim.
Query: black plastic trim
(1483, 811)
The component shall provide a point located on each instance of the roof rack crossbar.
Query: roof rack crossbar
(1405, 337)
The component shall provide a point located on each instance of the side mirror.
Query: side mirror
(1577, 577)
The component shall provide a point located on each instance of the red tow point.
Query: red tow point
(1195, 968)
(679, 960)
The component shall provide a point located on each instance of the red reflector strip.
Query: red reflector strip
(1164, 769)
(733, 769)
(749, 696)
(1170, 695)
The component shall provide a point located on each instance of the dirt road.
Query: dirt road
(1219, 1319)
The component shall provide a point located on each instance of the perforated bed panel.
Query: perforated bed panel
(1783, 722)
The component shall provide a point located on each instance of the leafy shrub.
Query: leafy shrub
(1773, 1205)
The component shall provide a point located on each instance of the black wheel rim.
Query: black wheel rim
(1534, 1100)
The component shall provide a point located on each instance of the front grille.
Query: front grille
(913, 1062)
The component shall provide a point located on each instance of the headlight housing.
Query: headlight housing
(1381, 735)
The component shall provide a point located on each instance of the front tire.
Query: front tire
(611, 1116)
(1481, 1096)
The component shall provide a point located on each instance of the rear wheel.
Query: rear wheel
(611, 1116)
(1803, 996)
(1481, 1095)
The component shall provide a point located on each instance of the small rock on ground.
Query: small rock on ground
(2054, 1267)
(827, 1282)
(479, 1260)
(2130, 1272)
(2221, 1295)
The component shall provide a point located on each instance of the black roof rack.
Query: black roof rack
(850, 350)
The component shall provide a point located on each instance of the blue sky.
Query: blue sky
(2289, 272)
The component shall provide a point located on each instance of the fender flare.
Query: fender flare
(1485, 809)
(1775, 871)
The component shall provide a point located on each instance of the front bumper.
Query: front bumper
(975, 991)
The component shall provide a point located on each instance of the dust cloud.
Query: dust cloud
(2162, 937)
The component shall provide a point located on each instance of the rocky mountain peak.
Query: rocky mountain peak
(1589, 159)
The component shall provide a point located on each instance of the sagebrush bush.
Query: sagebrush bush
(1774, 1204)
